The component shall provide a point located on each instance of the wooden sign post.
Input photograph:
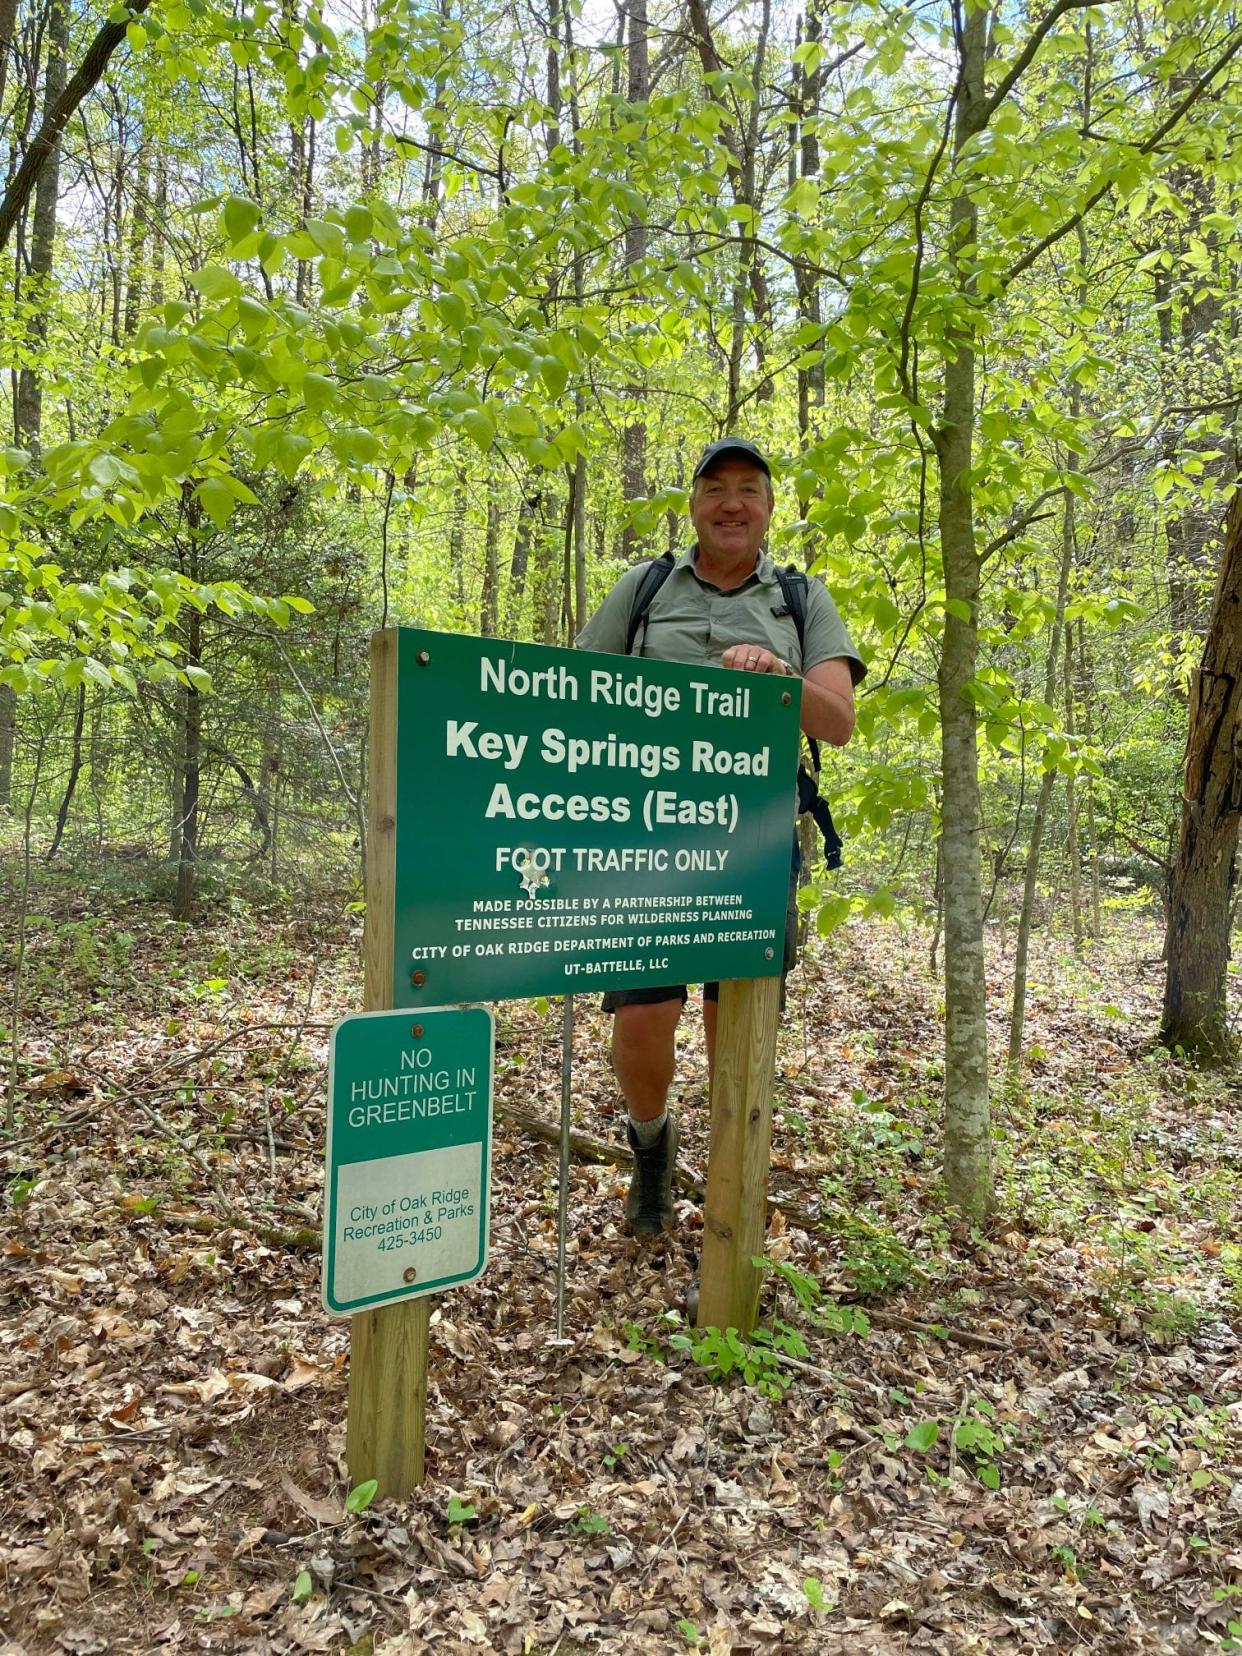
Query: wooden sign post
(735, 1209)
(385, 1436)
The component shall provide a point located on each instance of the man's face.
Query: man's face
(730, 509)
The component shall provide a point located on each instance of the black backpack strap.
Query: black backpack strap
(654, 577)
(793, 590)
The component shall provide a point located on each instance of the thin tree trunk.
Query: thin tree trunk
(519, 561)
(1088, 732)
(8, 24)
(1052, 669)
(634, 439)
(8, 736)
(138, 243)
(967, 1125)
(1072, 846)
(270, 770)
(75, 770)
(1201, 890)
(183, 903)
(28, 407)
(489, 601)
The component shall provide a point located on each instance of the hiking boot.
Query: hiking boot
(649, 1205)
(692, 1301)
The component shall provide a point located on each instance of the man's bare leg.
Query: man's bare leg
(644, 1040)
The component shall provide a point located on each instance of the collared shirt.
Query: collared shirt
(694, 622)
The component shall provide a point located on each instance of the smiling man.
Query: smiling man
(719, 604)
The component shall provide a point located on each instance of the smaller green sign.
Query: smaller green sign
(407, 1189)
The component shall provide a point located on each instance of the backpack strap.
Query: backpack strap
(793, 590)
(654, 577)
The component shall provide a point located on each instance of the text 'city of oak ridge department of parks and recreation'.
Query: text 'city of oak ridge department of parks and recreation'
(569, 821)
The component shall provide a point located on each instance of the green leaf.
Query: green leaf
(479, 426)
(303, 1587)
(217, 500)
(460, 1512)
(923, 1436)
(361, 1496)
(216, 284)
(240, 216)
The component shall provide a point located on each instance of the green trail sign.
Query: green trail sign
(568, 821)
(407, 1186)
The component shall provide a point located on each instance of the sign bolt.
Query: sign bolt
(423, 657)
(416, 1030)
(418, 979)
(786, 698)
(408, 1274)
(767, 954)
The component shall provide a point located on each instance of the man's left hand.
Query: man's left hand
(754, 658)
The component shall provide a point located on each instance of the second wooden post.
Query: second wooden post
(735, 1211)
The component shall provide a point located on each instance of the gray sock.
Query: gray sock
(647, 1132)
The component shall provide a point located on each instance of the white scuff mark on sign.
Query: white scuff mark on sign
(533, 879)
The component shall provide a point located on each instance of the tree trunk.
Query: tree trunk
(489, 600)
(56, 112)
(967, 1123)
(519, 561)
(1072, 844)
(183, 903)
(634, 440)
(8, 736)
(1201, 890)
(1017, 1014)
(28, 407)
(75, 770)
(139, 224)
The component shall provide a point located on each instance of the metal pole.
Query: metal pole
(562, 1225)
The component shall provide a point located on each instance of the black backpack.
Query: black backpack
(793, 590)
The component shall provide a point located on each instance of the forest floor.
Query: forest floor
(1021, 1439)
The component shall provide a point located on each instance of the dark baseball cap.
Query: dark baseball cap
(741, 447)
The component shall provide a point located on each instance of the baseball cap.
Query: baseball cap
(742, 447)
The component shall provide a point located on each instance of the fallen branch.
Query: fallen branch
(305, 1239)
(941, 1331)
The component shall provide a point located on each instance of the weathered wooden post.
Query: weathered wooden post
(735, 1209)
(385, 1437)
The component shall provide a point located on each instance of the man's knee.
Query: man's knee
(647, 1030)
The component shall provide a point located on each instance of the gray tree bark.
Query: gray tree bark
(28, 404)
(967, 1124)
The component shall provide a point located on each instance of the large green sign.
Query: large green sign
(568, 821)
(407, 1186)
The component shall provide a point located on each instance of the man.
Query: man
(721, 605)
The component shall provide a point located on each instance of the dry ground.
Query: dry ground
(1035, 1445)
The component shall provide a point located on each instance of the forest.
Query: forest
(420, 312)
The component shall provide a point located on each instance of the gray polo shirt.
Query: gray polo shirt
(693, 622)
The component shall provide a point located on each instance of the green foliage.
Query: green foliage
(589, 1524)
(460, 1512)
(361, 1496)
(757, 1361)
